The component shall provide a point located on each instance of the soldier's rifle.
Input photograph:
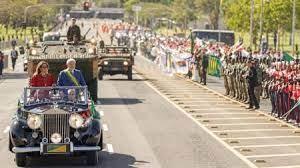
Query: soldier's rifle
(84, 36)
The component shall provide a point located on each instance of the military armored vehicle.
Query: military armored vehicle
(115, 60)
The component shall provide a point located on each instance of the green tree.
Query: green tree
(211, 8)
(183, 11)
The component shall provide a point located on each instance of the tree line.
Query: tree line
(277, 14)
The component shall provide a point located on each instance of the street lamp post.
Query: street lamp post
(261, 21)
(40, 5)
(293, 27)
(137, 9)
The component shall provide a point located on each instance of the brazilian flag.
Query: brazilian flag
(214, 66)
(287, 57)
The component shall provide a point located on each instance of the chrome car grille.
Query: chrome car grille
(56, 123)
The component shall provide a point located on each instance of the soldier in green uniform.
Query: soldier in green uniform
(225, 74)
(244, 80)
(231, 78)
(73, 33)
(258, 88)
(238, 81)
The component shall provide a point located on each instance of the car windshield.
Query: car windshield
(53, 95)
(121, 51)
(51, 38)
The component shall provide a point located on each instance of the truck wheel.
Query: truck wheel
(92, 158)
(129, 73)
(100, 74)
(20, 159)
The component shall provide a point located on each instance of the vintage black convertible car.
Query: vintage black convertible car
(55, 121)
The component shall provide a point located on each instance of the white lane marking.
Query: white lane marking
(273, 155)
(199, 98)
(6, 129)
(254, 130)
(233, 124)
(241, 118)
(101, 113)
(190, 94)
(291, 166)
(215, 108)
(110, 148)
(248, 162)
(224, 113)
(264, 137)
(266, 146)
(105, 127)
(207, 101)
(179, 90)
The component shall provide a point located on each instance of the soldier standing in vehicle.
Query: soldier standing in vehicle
(73, 32)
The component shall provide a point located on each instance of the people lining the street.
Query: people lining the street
(249, 76)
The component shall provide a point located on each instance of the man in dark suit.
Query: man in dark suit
(205, 60)
(71, 76)
(252, 83)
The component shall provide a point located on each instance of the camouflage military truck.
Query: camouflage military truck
(56, 53)
(115, 60)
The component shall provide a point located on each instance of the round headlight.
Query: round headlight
(93, 41)
(56, 138)
(33, 52)
(125, 63)
(76, 121)
(105, 63)
(91, 51)
(34, 121)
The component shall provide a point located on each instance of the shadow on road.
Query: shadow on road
(15, 75)
(127, 79)
(119, 101)
(106, 160)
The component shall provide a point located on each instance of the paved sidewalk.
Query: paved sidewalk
(217, 84)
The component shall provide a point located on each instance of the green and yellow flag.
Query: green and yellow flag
(214, 66)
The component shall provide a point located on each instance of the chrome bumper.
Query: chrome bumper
(40, 149)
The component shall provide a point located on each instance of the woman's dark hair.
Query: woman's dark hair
(38, 67)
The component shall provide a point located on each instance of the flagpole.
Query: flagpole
(219, 20)
(251, 23)
(293, 27)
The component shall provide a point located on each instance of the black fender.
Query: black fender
(92, 134)
(18, 134)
